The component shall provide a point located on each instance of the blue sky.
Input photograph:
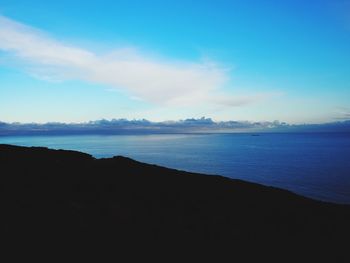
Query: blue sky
(169, 60)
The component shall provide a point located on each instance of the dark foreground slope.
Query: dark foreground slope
(68, 201)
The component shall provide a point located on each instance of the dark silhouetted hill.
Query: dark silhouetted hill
(65, 201)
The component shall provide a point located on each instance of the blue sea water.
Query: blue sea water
(316, 165)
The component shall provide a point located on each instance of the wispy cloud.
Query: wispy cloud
(342, 113)
(162, 82)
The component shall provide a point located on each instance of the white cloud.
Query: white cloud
(166, 83)
(342, 113)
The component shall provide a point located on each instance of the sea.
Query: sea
(315, 165)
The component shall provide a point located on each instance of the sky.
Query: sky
(75, 61)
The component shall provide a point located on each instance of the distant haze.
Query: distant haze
(202, 125)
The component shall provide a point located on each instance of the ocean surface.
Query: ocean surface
(316, 165)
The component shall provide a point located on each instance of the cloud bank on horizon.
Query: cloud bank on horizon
(201, 125)
(161, 82)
